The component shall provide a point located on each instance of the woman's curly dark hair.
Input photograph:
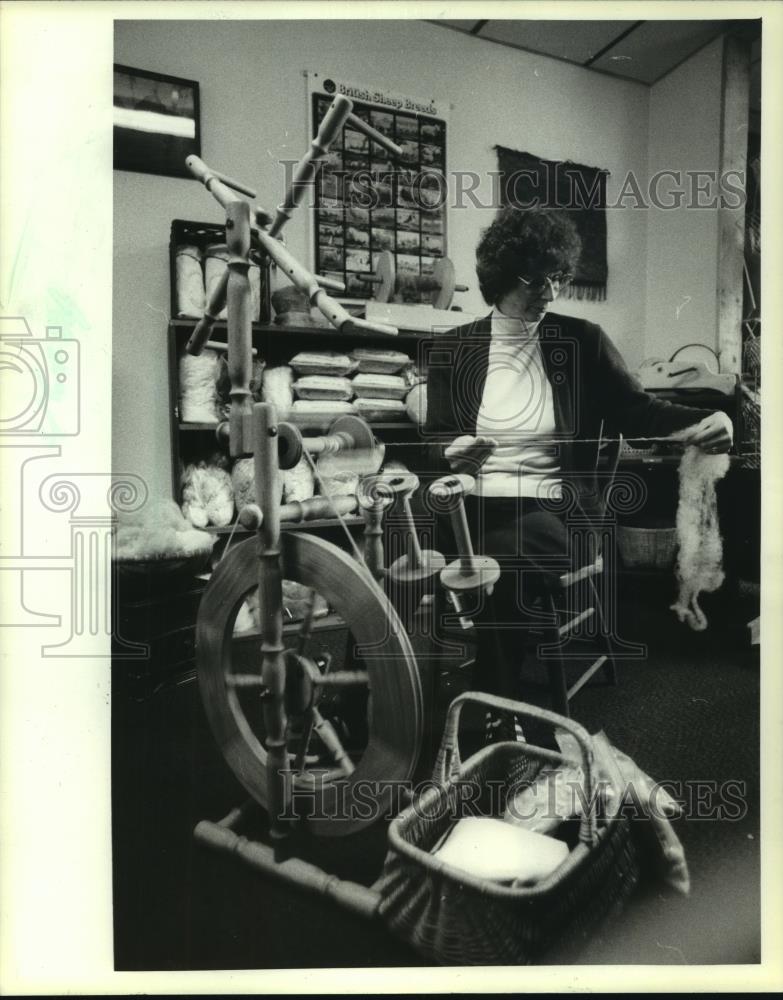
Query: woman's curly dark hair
(532, 242)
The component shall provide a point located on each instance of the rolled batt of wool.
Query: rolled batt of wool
(191, 300)
(491, 849)
(323, 387)
(198, 377)
(377, 410)
(277, 389)
(373, 360)
(322, 363)
(380, 386)
(318, 413)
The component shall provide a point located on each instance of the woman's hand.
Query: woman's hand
(467, 454)
(714, 434)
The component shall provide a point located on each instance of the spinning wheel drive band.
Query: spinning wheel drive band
(396, 715)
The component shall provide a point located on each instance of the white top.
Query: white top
(517, 409)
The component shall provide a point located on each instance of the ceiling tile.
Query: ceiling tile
(576, 41)
(656, 47)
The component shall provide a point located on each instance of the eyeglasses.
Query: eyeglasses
(559, 280)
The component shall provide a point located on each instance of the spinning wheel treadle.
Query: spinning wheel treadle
(330, 807)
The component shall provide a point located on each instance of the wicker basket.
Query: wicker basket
(458, 919)
(653, 548)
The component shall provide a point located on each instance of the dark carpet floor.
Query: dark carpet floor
(688, 713)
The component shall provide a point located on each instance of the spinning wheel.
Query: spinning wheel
(326, 794)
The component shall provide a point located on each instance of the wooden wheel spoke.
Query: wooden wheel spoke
(307, 623)
(301, 757)
(330, 739)
(344, 678)
(244, 681)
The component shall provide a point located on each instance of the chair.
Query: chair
(567, 621)
(573, 608)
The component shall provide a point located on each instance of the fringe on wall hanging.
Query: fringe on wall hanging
(527, 180)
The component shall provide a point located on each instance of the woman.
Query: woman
(520, 404)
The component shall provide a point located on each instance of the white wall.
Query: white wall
(682, 243)
(253, 113)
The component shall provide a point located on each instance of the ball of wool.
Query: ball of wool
(298, 483)
(243, 483)
(207, 495)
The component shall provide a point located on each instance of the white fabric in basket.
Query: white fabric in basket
(492, 849)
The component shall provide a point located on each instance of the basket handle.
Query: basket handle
(448, 762)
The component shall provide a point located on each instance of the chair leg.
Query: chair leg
(610, 667)
(556, 669)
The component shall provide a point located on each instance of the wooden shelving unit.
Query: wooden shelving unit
(277, 345)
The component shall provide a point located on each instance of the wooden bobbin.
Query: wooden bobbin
(417, 565)
(349, 437)
(384, 278)
(439, 287)
(445, 280)
(469, 572)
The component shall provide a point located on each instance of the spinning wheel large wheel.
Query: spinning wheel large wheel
(330, 806)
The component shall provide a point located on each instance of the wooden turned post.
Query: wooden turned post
(410, 576)
(468, 572)
(374, 500)
(240, 329)
(330, 127)
(270, 593)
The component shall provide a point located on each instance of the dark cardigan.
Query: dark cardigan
(592, 390)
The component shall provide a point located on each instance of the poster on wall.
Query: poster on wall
(367, 202)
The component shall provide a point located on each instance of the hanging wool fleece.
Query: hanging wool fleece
(700, 555)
